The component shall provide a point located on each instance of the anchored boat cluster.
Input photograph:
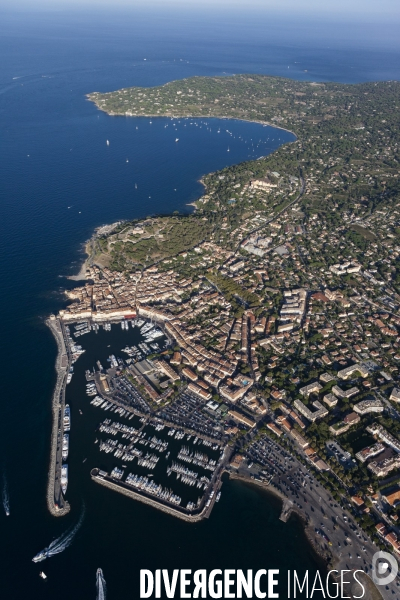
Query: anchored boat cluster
(151, 487)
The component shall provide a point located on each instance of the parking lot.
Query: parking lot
(186, 411)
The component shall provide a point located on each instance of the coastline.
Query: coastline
(309, 533)
(57, 509)
(81, 275)
(178, 116)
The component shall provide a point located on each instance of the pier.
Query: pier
(286, 510)
(56, 503)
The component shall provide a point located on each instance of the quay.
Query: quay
(191, 431)
(56, 503)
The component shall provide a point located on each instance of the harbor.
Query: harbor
(139, 449)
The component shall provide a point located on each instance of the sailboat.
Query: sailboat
(108, 143)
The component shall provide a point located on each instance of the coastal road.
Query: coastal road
(350, 546)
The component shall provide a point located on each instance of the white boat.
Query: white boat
(64, 478)
(108, 143)
(100, 584)
(67, 418)
(177, 139)
(65, 446)
(42, 575)
(41, 556)
(6, 499)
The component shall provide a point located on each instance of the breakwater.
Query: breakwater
(56, 504)
(122, 489)
(181, 513)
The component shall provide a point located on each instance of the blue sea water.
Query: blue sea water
(59, 180)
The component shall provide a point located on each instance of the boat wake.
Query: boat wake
(101, 585)
(6, 497)
(60, 544)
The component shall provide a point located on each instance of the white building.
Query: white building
(311, 415)
(369, 406)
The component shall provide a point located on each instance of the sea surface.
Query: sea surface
(58, 181)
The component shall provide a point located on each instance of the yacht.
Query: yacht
(40, 556)
(69, 376)
(67, 418)
(64, 478)
(65, 446)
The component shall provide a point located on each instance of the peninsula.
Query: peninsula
(279, 300)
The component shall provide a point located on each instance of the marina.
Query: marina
(141, 451)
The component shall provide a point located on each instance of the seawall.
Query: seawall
(56, 505)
